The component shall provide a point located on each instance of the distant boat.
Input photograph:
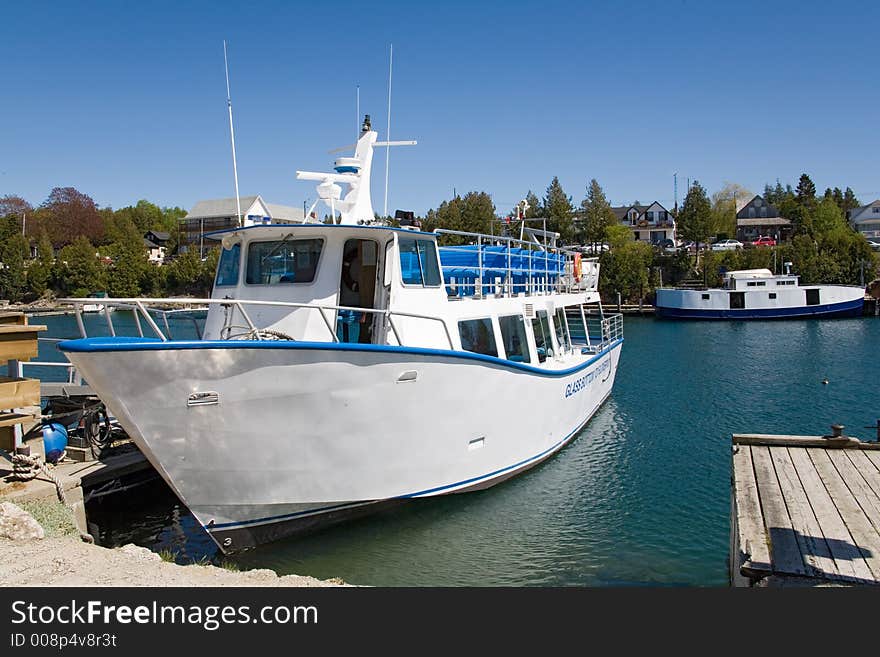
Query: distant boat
(760, 294)
(95, 307)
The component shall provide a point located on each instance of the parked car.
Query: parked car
(765, 240)
(594, 249)
(691, 247)
(727, 245)
(874, 243)
(667, 246)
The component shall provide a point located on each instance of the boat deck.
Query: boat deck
(805, 511)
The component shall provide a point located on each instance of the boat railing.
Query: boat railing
(249, 330)
(500, 266)
(591, 329)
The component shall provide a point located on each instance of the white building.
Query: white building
(866, 219)
(222, 213)
(649, 223)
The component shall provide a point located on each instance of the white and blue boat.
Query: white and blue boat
(760, 294)
(352, 364)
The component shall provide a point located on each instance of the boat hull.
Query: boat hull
(268, 440)
(842, 301)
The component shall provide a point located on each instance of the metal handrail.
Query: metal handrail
(138, 305)
(565, 279)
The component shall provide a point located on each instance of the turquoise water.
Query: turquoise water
(642, 496)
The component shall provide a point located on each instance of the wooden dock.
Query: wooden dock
(805, 511)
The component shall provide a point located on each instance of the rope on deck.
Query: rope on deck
(25, 468)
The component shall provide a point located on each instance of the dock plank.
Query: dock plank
(874, 457)
(857, 471)
(868, 469)
(785, 551)
(814, 549)
(752, 536)
(843, 442)
(865, 544)
(829, 497)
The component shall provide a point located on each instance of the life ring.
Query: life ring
(577, 267)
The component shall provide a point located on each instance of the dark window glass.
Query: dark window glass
(513, 334)
(283, 261)
(773, 295)
(812, 297)
(705, 296)
(227, 269)
(737, 299)
(477, 336)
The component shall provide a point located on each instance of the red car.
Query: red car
(764, 241)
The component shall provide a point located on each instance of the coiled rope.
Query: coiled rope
(25, 468)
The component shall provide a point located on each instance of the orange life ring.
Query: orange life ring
(577, 266)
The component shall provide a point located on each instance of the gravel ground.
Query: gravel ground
(67, 561)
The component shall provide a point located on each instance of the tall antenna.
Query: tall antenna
(388, 135)
(232, 135)
(357, 116)
(675, 185)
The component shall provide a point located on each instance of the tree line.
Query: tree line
(68, 246)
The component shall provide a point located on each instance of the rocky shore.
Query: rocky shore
(50, 553)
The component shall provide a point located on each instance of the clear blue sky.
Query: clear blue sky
(126, 101)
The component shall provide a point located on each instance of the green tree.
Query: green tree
(624, 270)
(184, 273)
(534, 210)
(596, 214)
(806, 191)
(827, 217)
(695, 216)
(13, 280)
(724, 204)
(80, 271)
(559, 212)
(39, 272)
(850, 202)
(130, 263)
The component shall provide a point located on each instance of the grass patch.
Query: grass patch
(56, 519)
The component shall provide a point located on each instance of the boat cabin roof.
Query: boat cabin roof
(749, 273)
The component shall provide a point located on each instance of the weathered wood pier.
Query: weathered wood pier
(805, 511)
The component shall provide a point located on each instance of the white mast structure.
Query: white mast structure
(232, 135)
(356, 208)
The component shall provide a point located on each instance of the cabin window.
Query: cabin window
(543, 341)
(513, 335)
(283, 261)
(773, 295)
(418, 262)
(705, 297)
(227, 269)
(812, 297)
(737, 300)
(562, 338)
(478, 336)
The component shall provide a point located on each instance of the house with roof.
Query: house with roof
(759, 218)
(866, 219)
(648, 223)
(222, 213)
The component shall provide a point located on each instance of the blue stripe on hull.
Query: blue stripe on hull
(119, 344)
(844, 309)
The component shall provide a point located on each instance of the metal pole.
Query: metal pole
(231, 136)
(388, 149)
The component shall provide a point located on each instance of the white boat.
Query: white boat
(760, 294)
(352, 364)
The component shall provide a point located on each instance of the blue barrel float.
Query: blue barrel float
(54, 441)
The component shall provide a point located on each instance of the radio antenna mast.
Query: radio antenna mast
(388, 134)
(232, 135)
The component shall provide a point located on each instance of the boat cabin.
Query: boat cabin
(385, 285)
(751, 279)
